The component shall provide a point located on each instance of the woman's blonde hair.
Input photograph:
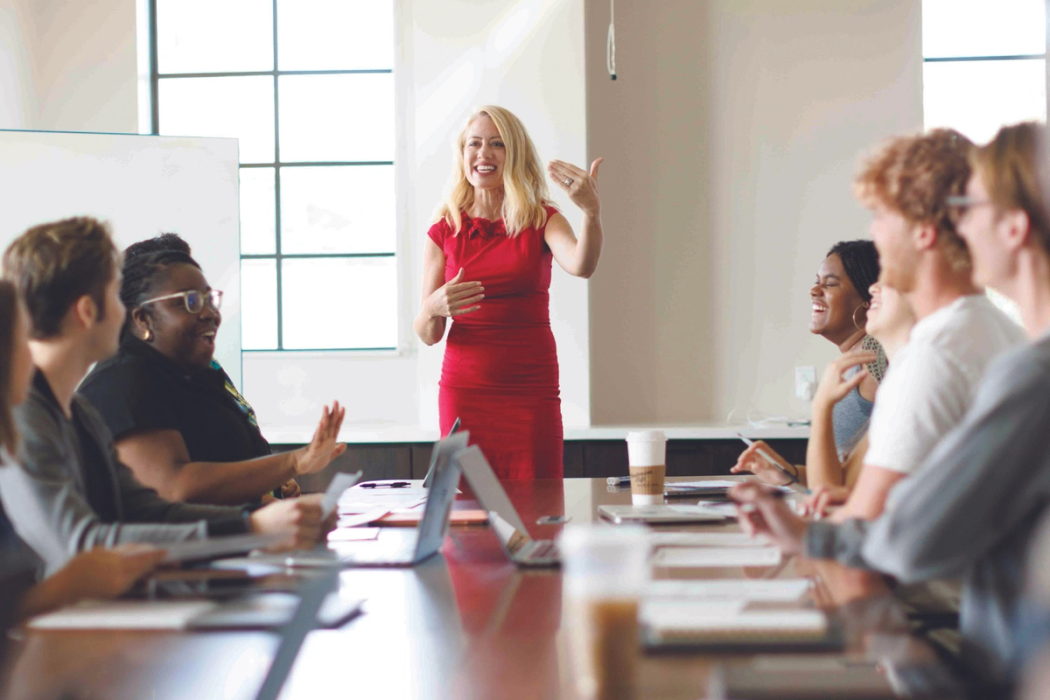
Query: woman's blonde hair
(1010, 166)
(525, 191)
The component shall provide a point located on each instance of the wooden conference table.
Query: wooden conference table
(467, 624)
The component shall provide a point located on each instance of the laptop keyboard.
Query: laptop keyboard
(544, 549)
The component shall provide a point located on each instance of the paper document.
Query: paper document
(753, 590)
(348, 521)
(335, 490)
(353, 534)
(355, 502)
(716, 556)
(705, 539)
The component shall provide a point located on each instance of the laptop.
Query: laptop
(456, 440)
(511, 532)
(395, 546)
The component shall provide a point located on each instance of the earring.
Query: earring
(857, 325)
(148, 335)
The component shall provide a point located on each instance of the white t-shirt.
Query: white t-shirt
(933, 380)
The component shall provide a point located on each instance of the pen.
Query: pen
(392, 485)
(765, 455)
(618, 481)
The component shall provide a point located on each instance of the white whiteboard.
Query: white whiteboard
(142, 185)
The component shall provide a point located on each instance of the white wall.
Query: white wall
(68, 65)
(17, 90)
(745, 121)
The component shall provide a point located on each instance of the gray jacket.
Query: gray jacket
(46, 496)
(970, 510)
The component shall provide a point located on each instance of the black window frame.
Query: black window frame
(278, 256)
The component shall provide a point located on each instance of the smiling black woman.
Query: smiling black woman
(178, 421)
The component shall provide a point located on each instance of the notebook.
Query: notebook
(787, 590)
(697, 557)
(671, 624)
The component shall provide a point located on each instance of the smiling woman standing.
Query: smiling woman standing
(487, 266)
(178, 421)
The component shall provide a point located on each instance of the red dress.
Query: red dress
(500, 373)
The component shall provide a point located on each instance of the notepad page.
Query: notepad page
(753, 590)
(705, 622)
(705, 539)
(716, 556)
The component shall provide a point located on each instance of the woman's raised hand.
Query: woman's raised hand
(581, 186)
(753, 462)
(324, 447)
(454, 298)
(833, 386)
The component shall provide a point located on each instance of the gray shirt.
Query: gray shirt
(46, 495)
(970, 510)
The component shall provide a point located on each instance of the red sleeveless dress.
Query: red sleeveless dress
(500, 372)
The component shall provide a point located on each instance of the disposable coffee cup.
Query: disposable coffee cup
(605, 570)
(647, 463)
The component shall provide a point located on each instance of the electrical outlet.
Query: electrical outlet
(805, 382)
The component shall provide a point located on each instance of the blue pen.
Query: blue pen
(618, 481)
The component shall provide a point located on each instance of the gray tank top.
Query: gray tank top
(851, 415)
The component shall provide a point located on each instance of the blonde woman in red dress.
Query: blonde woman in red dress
(487, 266)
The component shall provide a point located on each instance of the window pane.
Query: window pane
(338, 209)
(335, 34)
(258, 211)
(337, 117)
(214, 36)
(364, 290)
(983, 28)
(235, 107)
(978, 97)
(259, 304)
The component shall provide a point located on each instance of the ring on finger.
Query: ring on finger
(568, 182)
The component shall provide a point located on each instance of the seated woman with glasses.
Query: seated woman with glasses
(177, 419)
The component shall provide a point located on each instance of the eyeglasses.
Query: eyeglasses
(963, 201)
(193, 300)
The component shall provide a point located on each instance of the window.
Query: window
(307, 87)
(984, 64)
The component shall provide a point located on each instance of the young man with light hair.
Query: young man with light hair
(71, 493)
(933, 380)
(972, 507)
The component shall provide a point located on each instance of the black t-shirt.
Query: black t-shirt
(140, 389)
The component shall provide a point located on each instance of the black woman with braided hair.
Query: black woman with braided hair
(841, 299)
(177, 419)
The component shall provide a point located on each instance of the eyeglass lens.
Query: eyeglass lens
(195, 301)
